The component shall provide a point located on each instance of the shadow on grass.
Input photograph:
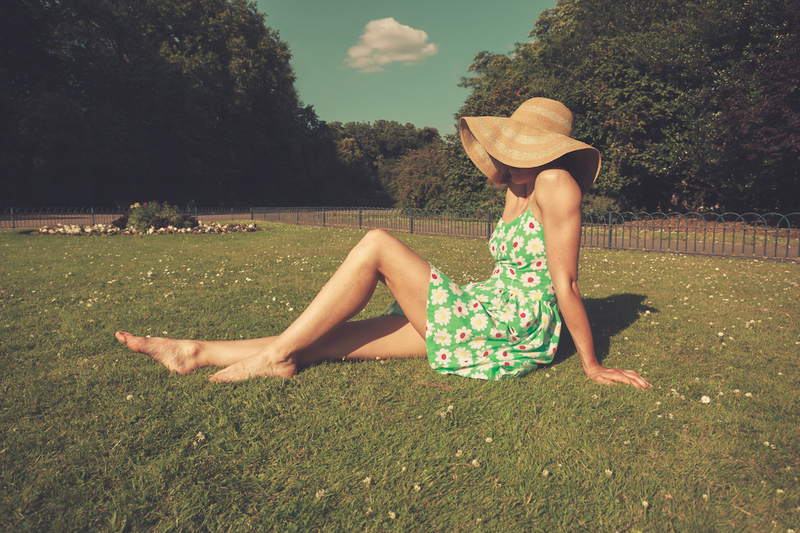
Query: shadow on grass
(607, 316)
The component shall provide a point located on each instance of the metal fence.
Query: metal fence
(771, 235)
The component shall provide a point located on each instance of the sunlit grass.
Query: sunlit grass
(96, 438)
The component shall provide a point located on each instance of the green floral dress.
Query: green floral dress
(503, 326)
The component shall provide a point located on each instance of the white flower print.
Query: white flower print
(436, 277)
(517, 243)
(460, 309)
(463, 355)
(442, 316)
(438, 296)
(474, 305)
(442, 337)
(443, 356)
(496, 334)
(478, 322)
(537, 295)
(477, 343)
(483, 356)
(530, 227)
(535, 247)
(455, 289)
(531, 280)
(545, 322)
(463, 335)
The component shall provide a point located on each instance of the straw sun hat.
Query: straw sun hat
(539, 132)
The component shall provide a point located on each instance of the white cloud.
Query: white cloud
(385, 41)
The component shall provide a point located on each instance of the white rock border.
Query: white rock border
(109, 229)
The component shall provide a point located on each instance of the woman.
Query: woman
(502, 327)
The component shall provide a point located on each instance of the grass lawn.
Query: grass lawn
(93, 437)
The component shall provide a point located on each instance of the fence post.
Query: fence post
(251, 213)
(323, 217)
(13, 222)
(609, 230)
(488, 225)
(411, 222)
(92, 211)
(359, 218)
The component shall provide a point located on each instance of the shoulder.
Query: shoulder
(556, 186)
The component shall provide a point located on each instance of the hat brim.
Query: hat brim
(495, 143)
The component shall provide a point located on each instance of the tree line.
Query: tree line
(694, 104)
(188, 101)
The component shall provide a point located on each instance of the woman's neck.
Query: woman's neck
(518, 200)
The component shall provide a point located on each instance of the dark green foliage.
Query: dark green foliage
(121, 222)
(157, 215)
(104, 101)
(593, 203)
(692, 104)
(379, 158)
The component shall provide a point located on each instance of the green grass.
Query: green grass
(77, 454)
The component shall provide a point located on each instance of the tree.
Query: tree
(169, 99)
(693, 104)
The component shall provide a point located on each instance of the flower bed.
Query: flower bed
(110, 229)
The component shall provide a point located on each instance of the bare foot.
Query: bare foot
(258, 365)
(181, 356)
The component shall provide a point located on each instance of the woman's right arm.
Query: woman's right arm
(559, 199)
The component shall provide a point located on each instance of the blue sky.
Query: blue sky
(364, 60)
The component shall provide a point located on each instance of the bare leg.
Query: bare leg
(319, 332)
(185, 356)
(378, 257)
(384, 337)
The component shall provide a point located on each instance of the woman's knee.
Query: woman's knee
(377, 239)
(374, 246)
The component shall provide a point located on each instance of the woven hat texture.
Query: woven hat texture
(539, 132)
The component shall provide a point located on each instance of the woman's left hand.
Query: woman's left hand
(612, 376)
